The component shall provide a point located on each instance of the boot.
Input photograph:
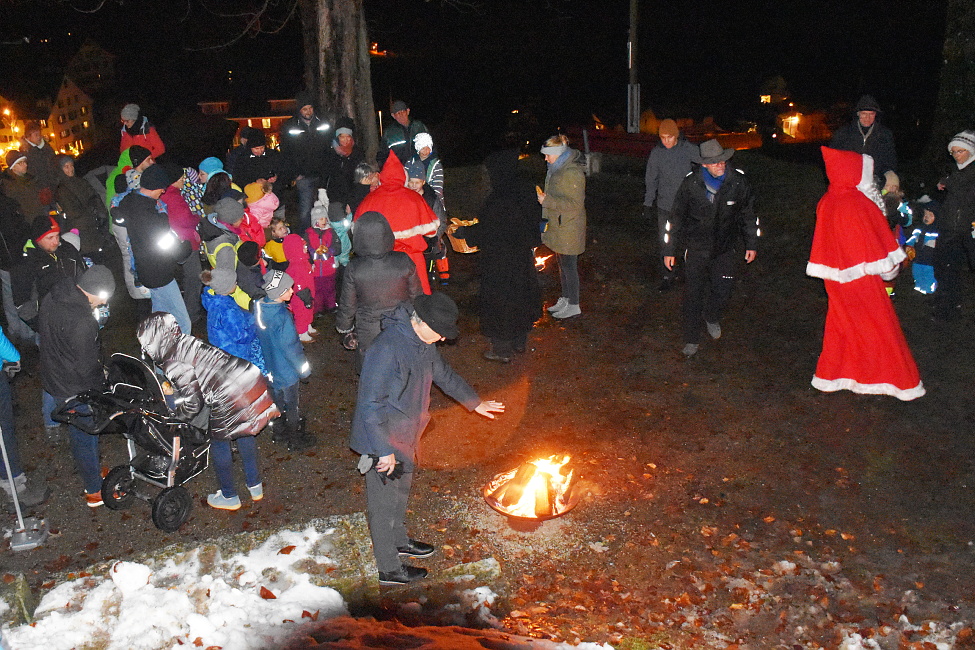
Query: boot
(279, 431)
(29, 493)
(299, 439)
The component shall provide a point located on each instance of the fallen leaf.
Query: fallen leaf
(8, 578)
(286, 550)
(267, 594)
(198, 642)
(769, 519)
(306, 614)
(516, 613)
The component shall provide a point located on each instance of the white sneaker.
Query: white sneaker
(714, 329)
(312, 330)
(568, 312)
(305, 337)
(559, 305)
(690, 349)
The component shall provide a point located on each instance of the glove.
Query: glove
(350, 341)
(305, 296)
(11, 368)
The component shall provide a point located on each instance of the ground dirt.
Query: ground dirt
(727, 502)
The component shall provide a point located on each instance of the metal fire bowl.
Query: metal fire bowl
(497, 507)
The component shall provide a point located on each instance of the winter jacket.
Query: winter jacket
(181, 218)
(267, 166)
(156, 249)
(142, 133)
(407, 213)
(263, 209)
(702, 226)
(232, 329)
(220, 246)
(26, 191)
(8, 353)
(283, 354)
(430, 170)
(303, 146)
(82, 210)
(37, 272)
(201, 374)
(322, 246)
(399, 140)
(666, 169)
(70, 348)
(375, 282)
(338, 174)
(564, 208)
(13, 232)
(393, 403)
(877, 142)
(958, 207)
(299, 264)
(124, 164)
(40, 163)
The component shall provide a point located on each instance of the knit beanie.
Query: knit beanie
(423, 140)
(211, 165)
(42, 226)
(303, 99)
(257, 139)
(254, 192)
(130, 112)
(98, 281)
(223, 281)
(13, 157)
(138, 154)
(73, 237)
(229, 211)
(668, 127)
(276, 283)
(965, 140)
(248, 253)
(155, 178)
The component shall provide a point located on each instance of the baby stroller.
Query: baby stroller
(163, 451)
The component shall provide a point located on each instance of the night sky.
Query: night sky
(562, 59)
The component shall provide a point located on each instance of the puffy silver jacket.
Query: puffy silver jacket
(234, 389)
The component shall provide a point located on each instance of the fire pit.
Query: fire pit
(534, 491)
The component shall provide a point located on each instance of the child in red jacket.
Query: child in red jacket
(321, 240)
(289, 252)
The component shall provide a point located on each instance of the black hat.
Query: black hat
(248, 253)
(439, 312)
(155, 178)
(98, 281)
(257, 138)
(867, 103)
(173, 170)
(303, 99)
(138, 154)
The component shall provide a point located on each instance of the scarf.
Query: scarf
(345, 152)
(712, 183)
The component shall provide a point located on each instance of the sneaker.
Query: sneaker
(690, 349)
(257, 491)
(94, 500)
(404, 575)
(33, 493)
(416, 549)
(305, 337)
(491, 355)
(221, 502)
(569, 311)
(312, 330)
(559, 305)
(714, 329)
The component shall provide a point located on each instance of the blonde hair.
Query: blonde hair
(557, 141)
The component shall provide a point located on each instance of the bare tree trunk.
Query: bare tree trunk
(343, 75)
(308, 11)
(956, 94)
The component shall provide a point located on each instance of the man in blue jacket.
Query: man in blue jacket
(392, 410)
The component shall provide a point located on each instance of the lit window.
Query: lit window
(266, 123)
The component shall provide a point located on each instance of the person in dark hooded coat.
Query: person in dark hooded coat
(82, 208)
(507, 233)
(234, 390)
(376, 281)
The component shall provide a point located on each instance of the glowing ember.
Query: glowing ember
(535, 490)
(540, 262)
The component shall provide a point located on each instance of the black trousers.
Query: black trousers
(386, 512)
(951, 257)
(709, 283)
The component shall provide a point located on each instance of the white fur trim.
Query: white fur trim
(878, 267)
(423, 229)
(833, 385)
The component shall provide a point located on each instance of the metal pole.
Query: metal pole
(633, 89)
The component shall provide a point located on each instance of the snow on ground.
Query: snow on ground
(249, 601)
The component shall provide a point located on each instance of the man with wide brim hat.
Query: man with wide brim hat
(713, 212)
(391, 412)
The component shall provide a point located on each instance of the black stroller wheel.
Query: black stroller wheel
(117, 492)
(171, 508)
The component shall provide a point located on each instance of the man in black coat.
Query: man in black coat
(70, 358)
(713, 209)
(304, 142)
(262, 163)
(866, 135)
(156, 249)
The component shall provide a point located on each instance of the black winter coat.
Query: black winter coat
(252, 167)
(303, 146)
(70, 349)
(879, 145)
(506, 234)
(155, 247)
(37, 272)
(958, 209)
(338, 177)
(714, 228)
(234, 389)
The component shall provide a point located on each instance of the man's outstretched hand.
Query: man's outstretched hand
(488, 408)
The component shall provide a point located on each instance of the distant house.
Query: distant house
(267, 116)
(64, 114)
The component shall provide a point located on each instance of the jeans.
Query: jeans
(48, 404)
(307, 189)
(84, 449)
(168, 298)
(9, 432)
(223, 463)
(569, 276)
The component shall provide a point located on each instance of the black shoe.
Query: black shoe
(416, 549)
(491, 355)
(302, 442)
(404, 575)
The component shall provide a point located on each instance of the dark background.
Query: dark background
(466, 67)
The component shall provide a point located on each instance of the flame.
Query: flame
(540, 262)
(541, 489)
